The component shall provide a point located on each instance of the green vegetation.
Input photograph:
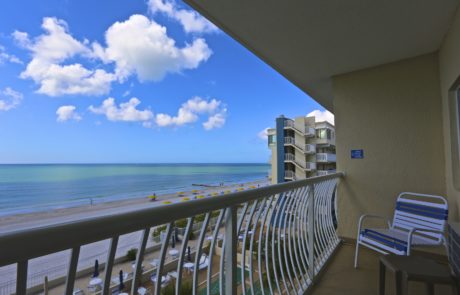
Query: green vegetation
(131, 254)
(181, 223)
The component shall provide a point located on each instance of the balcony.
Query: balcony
(289, 140)
(254, 230)
(289, 175)
(304, 130)
(309, 131)
(325, 158)
(289, 157)
(325, 172)
(310, 148)
(310, 166)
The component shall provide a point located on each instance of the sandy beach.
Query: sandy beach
(55, 264)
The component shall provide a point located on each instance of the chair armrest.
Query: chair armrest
(364, 216)
(416, 229)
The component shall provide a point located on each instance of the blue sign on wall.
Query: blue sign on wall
(357, 154)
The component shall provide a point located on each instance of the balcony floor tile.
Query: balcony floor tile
(340, 277)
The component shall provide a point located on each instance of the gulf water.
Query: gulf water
(29, 188)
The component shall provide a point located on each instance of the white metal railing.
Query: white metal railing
(310, 148)
(289, 174)
(325, 172)
(310, 131)
(289, 140)
(289, 157)
(289, 123)
(325, 157)
(310, 166)
(281, 234)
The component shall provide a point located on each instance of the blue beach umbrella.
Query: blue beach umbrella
(189, 254)
(121, 286)
(96, 269)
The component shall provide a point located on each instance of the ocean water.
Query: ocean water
(29, 188)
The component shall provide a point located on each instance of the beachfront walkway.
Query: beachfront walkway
(55, 265)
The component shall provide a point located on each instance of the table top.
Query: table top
(95, 281)
(416, 266)
(189, 265)
(173, 252)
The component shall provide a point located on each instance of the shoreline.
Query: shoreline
(52, 216)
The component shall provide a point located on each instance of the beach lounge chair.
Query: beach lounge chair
(203, 263)
(419, 220)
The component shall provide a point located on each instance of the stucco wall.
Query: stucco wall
(393, 112)
(449, 68)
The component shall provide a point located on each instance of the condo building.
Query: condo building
(301, 148)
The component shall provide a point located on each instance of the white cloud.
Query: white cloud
(6, 57)
(215, 121)
(126, 111)
(66, 113)
(189, 113)
(190, 20)
(142, 47)
(9, 99)
(49, 51)
(321, 116)
(263, 134)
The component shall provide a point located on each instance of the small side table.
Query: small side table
(414, 268)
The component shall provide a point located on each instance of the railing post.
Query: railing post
(231, 239)
(311, 230)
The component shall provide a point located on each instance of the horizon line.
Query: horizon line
(129, 163)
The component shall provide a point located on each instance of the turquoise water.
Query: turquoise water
(28, 188)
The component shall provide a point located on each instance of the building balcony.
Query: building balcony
(310, 148)
(325, 158)
(289, 140)
(243, 230)
(289, 175)
(310, 166)
(305, 130)
(325, 172)
(310, 131)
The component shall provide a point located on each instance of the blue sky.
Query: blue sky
(132, 81)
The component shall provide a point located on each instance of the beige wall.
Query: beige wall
(393, 112)
(449, 68)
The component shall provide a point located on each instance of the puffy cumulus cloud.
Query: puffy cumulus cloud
(142, 47)
(6, 57)
(189, 113)
(190, 20)
(321, 116)
(216, 120)
(66, 113)
(9, 99)
(263, 134)
(49, 51)
(126, 112)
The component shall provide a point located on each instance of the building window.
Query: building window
(271, 139)
(324, 133)
(454, 112)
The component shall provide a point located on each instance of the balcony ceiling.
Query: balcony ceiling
(310, 41)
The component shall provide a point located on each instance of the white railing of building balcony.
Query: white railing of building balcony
(280, 235)
(289, 140)
(309, 131)
(325, 157)
(289, 123)
(325, 172)
(310, 166)
(310, 148)
(289, 157)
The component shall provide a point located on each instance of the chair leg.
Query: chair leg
(429, 288)
(398, 280)
(356, 254)
(382, 278)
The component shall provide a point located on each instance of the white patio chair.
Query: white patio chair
(419, 220)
